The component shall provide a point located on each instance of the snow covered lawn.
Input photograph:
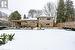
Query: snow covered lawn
(53, 39)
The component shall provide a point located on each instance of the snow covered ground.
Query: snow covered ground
(53, 39)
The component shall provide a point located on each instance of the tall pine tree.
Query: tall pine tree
(61, 11)
(69, 10)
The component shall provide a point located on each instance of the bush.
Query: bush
(10, 37)
(4, 38)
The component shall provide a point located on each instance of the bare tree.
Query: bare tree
(49, 9)
(32, 13)
(38, 13)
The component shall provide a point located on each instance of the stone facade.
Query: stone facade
(29, 23)
(46, 21)
(24, 23)
(39, 22)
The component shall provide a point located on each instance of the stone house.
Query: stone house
(42, 21)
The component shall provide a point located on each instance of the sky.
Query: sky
(23, 6)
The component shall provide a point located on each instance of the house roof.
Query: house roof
(30, 19)
(44, 17)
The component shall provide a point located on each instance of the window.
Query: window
(48, 18)
(47, 24)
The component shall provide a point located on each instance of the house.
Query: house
(42, 21)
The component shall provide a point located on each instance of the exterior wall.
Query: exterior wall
(40, 22)
(46, 21)
(15, 24)
(29, 23)
(24, 23)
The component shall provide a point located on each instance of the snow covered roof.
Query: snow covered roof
(25, 19)
(30, 19)
(3, 19)
(3, 15)
(44, 16)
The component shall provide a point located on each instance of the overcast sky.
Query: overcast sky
(23, 6)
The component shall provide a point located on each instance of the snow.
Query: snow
(51, 39)
(30, 19)
(3, 19)
(45, 16)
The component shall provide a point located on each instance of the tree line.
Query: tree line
(64, 11)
